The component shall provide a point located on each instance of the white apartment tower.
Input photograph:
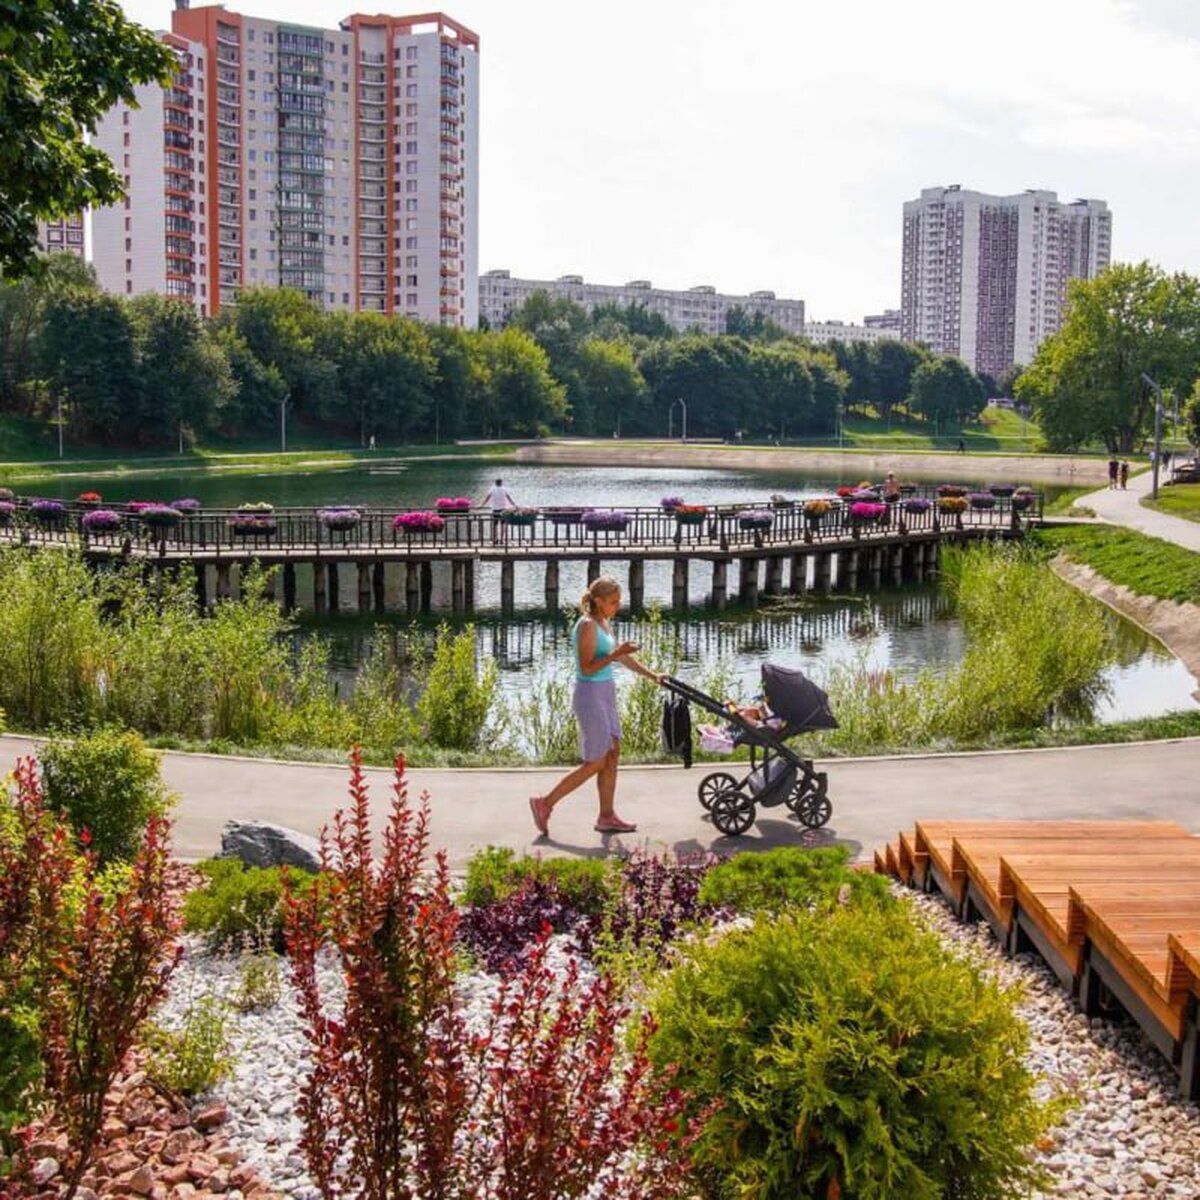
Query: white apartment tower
(62, 236)
(343, 163)
(985, 277)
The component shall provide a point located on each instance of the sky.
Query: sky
(772, 145)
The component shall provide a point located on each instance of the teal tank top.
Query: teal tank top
(605, 644)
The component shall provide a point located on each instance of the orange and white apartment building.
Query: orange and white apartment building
(341, 162)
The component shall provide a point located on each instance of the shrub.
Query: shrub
(403, 1100)
(790, 878)
(458, 695)
(239, 906)
(501, 935)
(107, 784)
(260, 984)
(194, 1056)
(495, 873)
(855, 1055)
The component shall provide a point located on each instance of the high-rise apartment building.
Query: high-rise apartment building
(340, 162)
(62, 236)
(888, 321)
(985, 277)
(821, 333)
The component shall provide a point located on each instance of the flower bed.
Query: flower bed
(159, 516)
(952, 489)
(845, 492)
(47, 512)
(519, 516)
(88, 499)
(418, 522)
(101, 520)
(445, 504)
(867, 512)
(952, 504)
(916, 504)
(671, 503)
(816, 510)
(981, 500)
(187, 505)
(756, 518)
(690, 514)
(600, 520)
(340, 520)
(252, 524)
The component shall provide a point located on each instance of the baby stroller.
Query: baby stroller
(777, 775)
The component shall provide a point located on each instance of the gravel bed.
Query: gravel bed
(1127, 1133)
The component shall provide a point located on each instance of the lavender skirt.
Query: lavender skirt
(595, 705)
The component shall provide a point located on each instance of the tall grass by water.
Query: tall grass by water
(81, 648)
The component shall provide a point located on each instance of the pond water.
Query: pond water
(900, 631)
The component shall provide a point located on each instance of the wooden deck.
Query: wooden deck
(1112, 906)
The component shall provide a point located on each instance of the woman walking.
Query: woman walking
(595, 705)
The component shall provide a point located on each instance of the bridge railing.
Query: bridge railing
(735, 527)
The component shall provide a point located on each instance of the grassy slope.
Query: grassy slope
(1145, 565)
(1180, 500)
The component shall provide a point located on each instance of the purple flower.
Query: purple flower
(137, 506)
(916, 504)
(187, 505)
(252, 524)
(339, 518)
(756, 518)
(981, 500)
(868, 495)
(671, 502)
(605, 518)
(101, 520)
(47, 510)
(867, 510)
(160, 515)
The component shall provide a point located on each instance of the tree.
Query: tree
(946, 389)
(184, 375)
(853, 358)
(1006, 385)
(520, 393)
(754, 327)
(636, 320)
(63, 64)
(1191, 416)
(259, 387)
(712, 374)
(459, 381)
(891, 364)
(613, 393)
(1085, 382)
(784, 386)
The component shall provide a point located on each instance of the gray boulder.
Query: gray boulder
(261, 844)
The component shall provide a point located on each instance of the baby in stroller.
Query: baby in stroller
(790, 704)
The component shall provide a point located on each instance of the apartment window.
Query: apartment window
(410, 280)
(126, 139)
(412, 300)
(410, 223)
(345, 66)
(250, 76)
(345, 295)
(126, 163)
(254, 156)
(410, 147)
(410, 52)
(128, 288)
(128, 224)
(411, 185)
(345, 240)
(253, 255)
(409, 129)
(410, 206)
(410, 110)
(345, 87)
(128, 244)
(410, 72)
(125, 117)
(410, 90)
(251, 35)
(410, 243)
(410, 167)
(128, 265)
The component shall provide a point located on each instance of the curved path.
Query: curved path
(1126, 508)
(872, 798)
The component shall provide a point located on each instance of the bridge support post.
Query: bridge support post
(378, 589)
(224, 584)
(506, 586)
(335, 599)
(932, 554)
(823, 571)
(412, 588)
(365, 589)
(798, 580)
(849, 579)
(202, 586)
(679, 583)
(876, 567)
(320, 585)
(748, 584)
(289, 587)
(637, 585)
(774, 585)
(720, 582)
(469, 584)
(593, 570)
(426, 586)
(897, 565)
(456, 585)
(552, 584)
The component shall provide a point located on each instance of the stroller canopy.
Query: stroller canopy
(795, 698)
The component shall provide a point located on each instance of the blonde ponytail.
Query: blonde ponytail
(603, 586)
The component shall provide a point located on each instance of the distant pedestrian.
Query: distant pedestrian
(498, 499)
(961, 447)
(891, 488)
(1113, 468)
(371, 444)
(1166, 461)
(1124, 475)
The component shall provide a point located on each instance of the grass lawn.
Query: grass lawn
(998, 431)
(1180, 500)
(1145, 565)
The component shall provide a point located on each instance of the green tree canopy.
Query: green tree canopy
(891, 364)
(612, 392)
(520, 393)
(1085, 382)
(1191, 416)
(63, 64)
(946, 389)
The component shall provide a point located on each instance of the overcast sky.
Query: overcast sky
(772, 145)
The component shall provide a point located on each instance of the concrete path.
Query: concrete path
(872, 798)
(1126, 508)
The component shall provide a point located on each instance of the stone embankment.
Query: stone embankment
(853, 464)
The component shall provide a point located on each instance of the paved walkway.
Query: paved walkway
(872, 798)
(1126, 508)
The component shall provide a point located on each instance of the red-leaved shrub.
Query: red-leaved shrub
(404, 1101)
(102, 950)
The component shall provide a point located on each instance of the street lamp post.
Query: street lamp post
(1147, 382)
(671, 419)
(59, 422)
(283, 425)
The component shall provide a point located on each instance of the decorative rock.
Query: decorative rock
(211, 1116)
(200, 1167)
(44, 1170)
(121, 1163)
(261, 844)
(142, 1180)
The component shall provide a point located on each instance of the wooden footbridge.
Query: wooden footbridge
(1111, 906)
(370, 560)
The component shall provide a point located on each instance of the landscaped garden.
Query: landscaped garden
(771, 1025)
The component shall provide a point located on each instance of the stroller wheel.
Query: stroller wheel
(811, 804)
(711, 785)
(732, 813)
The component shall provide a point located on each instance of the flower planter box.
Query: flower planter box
(563, 516)
(159, 517)
(1021, 501)
(252, 527)
(47, 513)
(981, 501)
(758, 520)
(691, 514)
(409, 524)
(452, 504)
(597, 520)
(340, 520)
(101, 520)
(1003, 490)
(7, 508)
(522, 518)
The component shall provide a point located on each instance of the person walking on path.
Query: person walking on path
(1124, 475)
(1113, 468)
(498, 499)
(595, 706)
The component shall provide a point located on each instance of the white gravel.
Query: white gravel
(1128, 1134)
